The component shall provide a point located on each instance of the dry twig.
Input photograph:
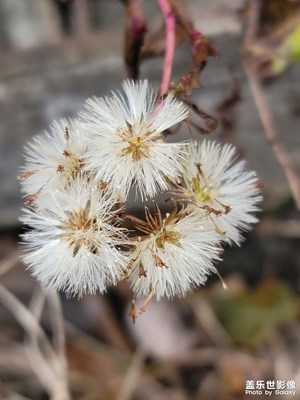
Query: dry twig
(254, 7)
(57, 324)
(44, 360)
(263, 108)
(9, 262)
(135, 32)
(133, 375)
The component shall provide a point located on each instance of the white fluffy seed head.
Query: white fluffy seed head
(215, 184)
(75, 173)
(175, 258)
(126, 145)
(54, 158)
(75, 243)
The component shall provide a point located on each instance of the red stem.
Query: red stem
(170, 45)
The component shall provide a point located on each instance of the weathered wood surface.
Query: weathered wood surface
(47, 83)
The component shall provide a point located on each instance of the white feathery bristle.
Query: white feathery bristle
(76, 172)
(126, 144)
(74, 244)
(54, 158)
(174, 259)
(213, 179)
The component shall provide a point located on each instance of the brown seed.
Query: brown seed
(102, 185)
(67, 134)
(132, 312)
(146, 302)
(158, 261)
(60, 168)
(199, 168)
(67, 153)
(227, 209)
(142, 271)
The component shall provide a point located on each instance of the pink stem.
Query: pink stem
(170, 45)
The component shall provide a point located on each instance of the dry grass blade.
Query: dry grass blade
(16, 396)
(57, 324)
(26, 319)
(37, 302)
(209, 322)
(39, 365)
(131, 380)
(9, 262)
(59, 388)
(47, 366)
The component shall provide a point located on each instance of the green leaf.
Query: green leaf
(288, 52)
(249, 316)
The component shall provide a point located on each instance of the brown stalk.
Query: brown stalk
(135, 31)
(262, 105)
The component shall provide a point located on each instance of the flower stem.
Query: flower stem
(170, 44)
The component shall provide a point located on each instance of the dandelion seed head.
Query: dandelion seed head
(75, 242)
(126, 145)
(78, 173)
(175, 256)
(54, 158)
(215, 184)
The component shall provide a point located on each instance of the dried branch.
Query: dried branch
(263, 108)
(210, 123)
(135, 31)
(201, 49)
(170, 45)
(254, 7)
(271, 131)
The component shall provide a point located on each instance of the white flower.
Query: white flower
(126, 144)
(217, 185)
(174, 257)
(74, 245)
(54, 158)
